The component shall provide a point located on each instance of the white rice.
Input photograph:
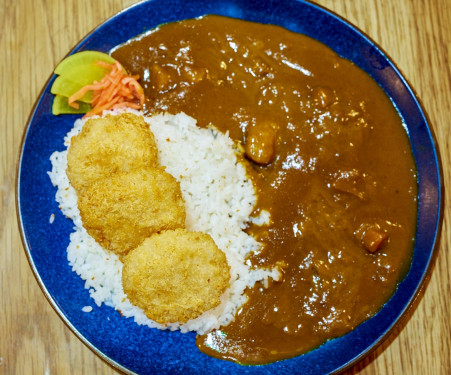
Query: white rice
(219, 201)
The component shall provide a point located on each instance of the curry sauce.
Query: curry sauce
(330, 160)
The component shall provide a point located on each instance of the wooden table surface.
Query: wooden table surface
(36, 34)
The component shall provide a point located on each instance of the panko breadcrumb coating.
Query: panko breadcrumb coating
(108, 145)
(121, 211)
(176, 275)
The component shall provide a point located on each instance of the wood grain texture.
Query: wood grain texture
(36, 34)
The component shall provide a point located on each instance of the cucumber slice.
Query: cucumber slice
(84, 74)
(64, 87)
(81, 58)
(61, 106)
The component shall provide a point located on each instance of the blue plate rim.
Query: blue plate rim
(437, 164)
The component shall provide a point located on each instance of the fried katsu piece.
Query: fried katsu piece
(108, 145)
(176, 275)
(121, 211)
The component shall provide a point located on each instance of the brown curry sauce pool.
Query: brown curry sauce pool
(333, 167)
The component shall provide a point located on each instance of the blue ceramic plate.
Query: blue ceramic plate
(132, 348)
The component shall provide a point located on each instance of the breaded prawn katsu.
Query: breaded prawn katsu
(108, 145)
(176, 275)
(121, 211)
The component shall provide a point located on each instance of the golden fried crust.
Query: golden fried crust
(176, 275)
(121, 211)
(108, 145)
